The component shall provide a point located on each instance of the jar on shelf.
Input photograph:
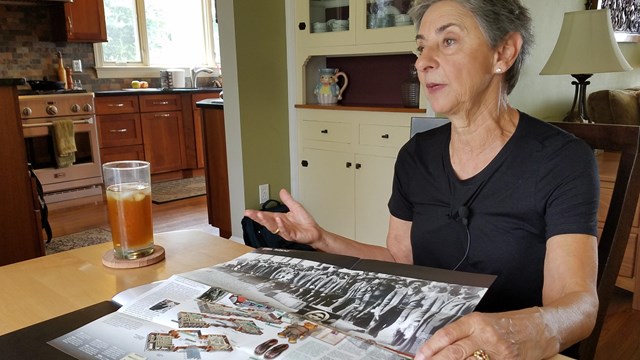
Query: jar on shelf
(410, 89)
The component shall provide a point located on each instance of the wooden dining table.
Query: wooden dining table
(51, 286)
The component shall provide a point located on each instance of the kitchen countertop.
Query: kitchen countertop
(152, 91)
(12, 81)
(211, 104)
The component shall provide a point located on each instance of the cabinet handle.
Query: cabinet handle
(302, 25)
(70, 24)
(358, 166)
(162, 115)
(325, 131)
(160, 103)
(385, 136)
(118, 130)
(304, 163)
(348, 164)
(115, 105)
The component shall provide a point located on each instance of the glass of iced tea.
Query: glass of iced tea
(128, 192)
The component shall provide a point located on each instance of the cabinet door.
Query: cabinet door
(326, 189)
(133, 152)
(324, 23)
(384, 24)
(163, 135)
(84, 21)
(373, 181)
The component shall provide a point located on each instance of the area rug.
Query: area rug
(77, 240)
(166, 191)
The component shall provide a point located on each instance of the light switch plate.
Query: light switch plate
(77, 65)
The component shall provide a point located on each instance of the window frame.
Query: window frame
(143, 69)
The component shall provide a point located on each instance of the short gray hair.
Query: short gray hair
(497, 18)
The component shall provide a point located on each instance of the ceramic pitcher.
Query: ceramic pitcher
(327, 89)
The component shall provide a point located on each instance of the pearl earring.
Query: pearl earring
(498, 70)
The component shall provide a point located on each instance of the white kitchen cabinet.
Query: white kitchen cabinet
(346, 169)
(321, 23)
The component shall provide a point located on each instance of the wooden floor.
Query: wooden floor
(620, 337)
(175, 215)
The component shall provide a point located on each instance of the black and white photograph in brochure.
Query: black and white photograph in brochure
(395, 311)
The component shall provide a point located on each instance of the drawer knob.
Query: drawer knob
(325, 131)
(162, 115)
(385, 136)
(115, 105)
(348, 164)
(118, 130)
(302, 25)
(160, 103)
(304, 163)
(358, 166)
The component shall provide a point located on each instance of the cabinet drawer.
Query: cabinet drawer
(382, 135)
(153, 103)
(326, 131)
(119, 130)
(106, 105)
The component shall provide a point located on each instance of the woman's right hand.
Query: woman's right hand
(296, 225)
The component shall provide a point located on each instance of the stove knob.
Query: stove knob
(87, 107)
(27, 111)
(52, 110)
(75, 108)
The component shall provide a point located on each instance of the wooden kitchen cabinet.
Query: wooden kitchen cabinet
(163, 132)
(21, 237)
(80, 21)
(629, 275)
(119, 128)
(196, 114)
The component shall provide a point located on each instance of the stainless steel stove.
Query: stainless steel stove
(81, 180)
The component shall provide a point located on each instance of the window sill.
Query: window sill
(132, 72)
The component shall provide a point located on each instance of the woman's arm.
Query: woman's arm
(299, 226)
(570, 305)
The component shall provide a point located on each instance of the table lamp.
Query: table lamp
(585, 46)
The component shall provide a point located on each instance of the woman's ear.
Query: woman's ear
(507, 52)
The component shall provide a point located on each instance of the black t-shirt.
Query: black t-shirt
(544, 182)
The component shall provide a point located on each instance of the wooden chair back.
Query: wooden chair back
(612, 244)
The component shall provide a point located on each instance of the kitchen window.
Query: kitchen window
(145, 36)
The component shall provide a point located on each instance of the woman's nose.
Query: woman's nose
(424, 62)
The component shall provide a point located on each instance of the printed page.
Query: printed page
(212, 324)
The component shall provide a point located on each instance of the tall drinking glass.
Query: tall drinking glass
(128, 192)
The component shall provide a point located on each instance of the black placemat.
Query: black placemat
(31, 342)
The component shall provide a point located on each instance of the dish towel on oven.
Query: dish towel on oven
(64, 143)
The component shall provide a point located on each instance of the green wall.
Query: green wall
(262, 83)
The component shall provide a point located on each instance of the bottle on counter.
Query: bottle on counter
(62, 73)
(69, 73)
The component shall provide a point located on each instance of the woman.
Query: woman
(495, 191)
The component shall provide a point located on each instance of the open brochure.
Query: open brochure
(281, 303)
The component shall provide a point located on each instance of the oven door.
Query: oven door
(86, 170)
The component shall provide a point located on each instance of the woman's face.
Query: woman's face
(455, 61)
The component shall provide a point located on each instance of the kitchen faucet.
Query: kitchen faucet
(196, 71)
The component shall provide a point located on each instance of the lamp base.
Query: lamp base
(576, 117)
(579, 114)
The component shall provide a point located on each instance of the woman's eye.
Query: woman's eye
(448, 42)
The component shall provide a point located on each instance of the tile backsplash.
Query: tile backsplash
(27, 49)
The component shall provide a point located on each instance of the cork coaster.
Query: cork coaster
(109, 259)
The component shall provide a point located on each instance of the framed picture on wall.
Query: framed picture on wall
(625, 17)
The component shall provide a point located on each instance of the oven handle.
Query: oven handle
(85, 121)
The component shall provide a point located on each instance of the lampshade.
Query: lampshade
(586, 45)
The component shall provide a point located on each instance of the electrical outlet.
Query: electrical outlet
(263, 191)
(77, 65)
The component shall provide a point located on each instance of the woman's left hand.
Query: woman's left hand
(512, 335)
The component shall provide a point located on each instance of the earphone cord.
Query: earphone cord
(466, 251)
